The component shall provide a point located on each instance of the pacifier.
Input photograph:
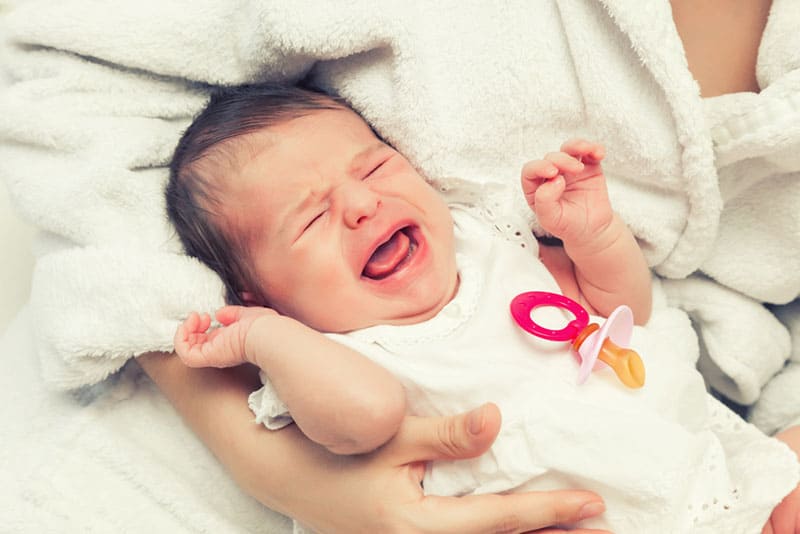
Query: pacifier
(591, 342)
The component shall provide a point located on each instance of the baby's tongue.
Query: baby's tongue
(388, 256)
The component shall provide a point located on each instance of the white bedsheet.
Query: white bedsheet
(84, 462)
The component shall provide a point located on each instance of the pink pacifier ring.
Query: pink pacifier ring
(523, 304)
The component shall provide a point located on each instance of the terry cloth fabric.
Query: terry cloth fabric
(102, 91)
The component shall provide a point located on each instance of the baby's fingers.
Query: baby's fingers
(565, 162)
(186, 331)
(228, 315)
(196, 322)
(181, 338)
(548, 195)
(190, 332)
(204, 324)
(190, 323)
(586, 151)
(539, 168)
(542, 174)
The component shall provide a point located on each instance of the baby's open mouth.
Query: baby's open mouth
(390, 255)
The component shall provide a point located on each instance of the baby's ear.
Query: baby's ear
(248, 298)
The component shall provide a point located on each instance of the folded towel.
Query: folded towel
(742, 344)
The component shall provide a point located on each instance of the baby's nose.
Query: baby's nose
(360, 204)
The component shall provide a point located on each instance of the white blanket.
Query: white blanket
(111, 458)
(102, 91)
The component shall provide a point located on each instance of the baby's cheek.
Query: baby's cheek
(330, 292)
(330, 279)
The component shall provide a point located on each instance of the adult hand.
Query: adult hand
(375, 492)
(785, 518)
(381, 491)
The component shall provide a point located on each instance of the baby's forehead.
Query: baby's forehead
(253, 143)
(253, 138)
(225, 161)
(244, 148)
(293, 147)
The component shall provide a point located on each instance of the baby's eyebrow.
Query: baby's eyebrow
(362, 158)
(290, 224)
(302, 203)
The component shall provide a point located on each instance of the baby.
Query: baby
(316, 225)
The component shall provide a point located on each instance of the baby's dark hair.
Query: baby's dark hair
(193, 192)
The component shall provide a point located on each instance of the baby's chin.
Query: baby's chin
(383, 311)
(413, 315)
(343, 325)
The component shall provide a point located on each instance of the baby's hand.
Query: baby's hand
(567, 191)
(197, 346)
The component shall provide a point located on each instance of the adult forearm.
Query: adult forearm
(213, 402)
(377, 492)
(282, 469)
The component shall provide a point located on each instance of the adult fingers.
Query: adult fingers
(514, 513)
(784, 517)
(465, 435)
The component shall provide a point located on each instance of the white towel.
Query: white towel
(742, 344)
(779, 405)
(114, 457)
(103, 89)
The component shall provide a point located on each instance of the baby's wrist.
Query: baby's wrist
(258, 337)
(595, 242)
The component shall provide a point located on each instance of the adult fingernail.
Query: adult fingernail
(591, 509)
(475, 421)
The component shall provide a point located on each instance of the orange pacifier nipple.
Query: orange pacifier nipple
(626, 363)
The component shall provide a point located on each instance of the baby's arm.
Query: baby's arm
(567, 191)
(337, 397)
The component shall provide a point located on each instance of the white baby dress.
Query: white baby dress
(667, 458)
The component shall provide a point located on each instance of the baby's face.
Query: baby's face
(342, 231)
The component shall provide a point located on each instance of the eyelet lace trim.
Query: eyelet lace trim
(501, 205)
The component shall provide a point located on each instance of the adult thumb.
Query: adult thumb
(460, 436)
